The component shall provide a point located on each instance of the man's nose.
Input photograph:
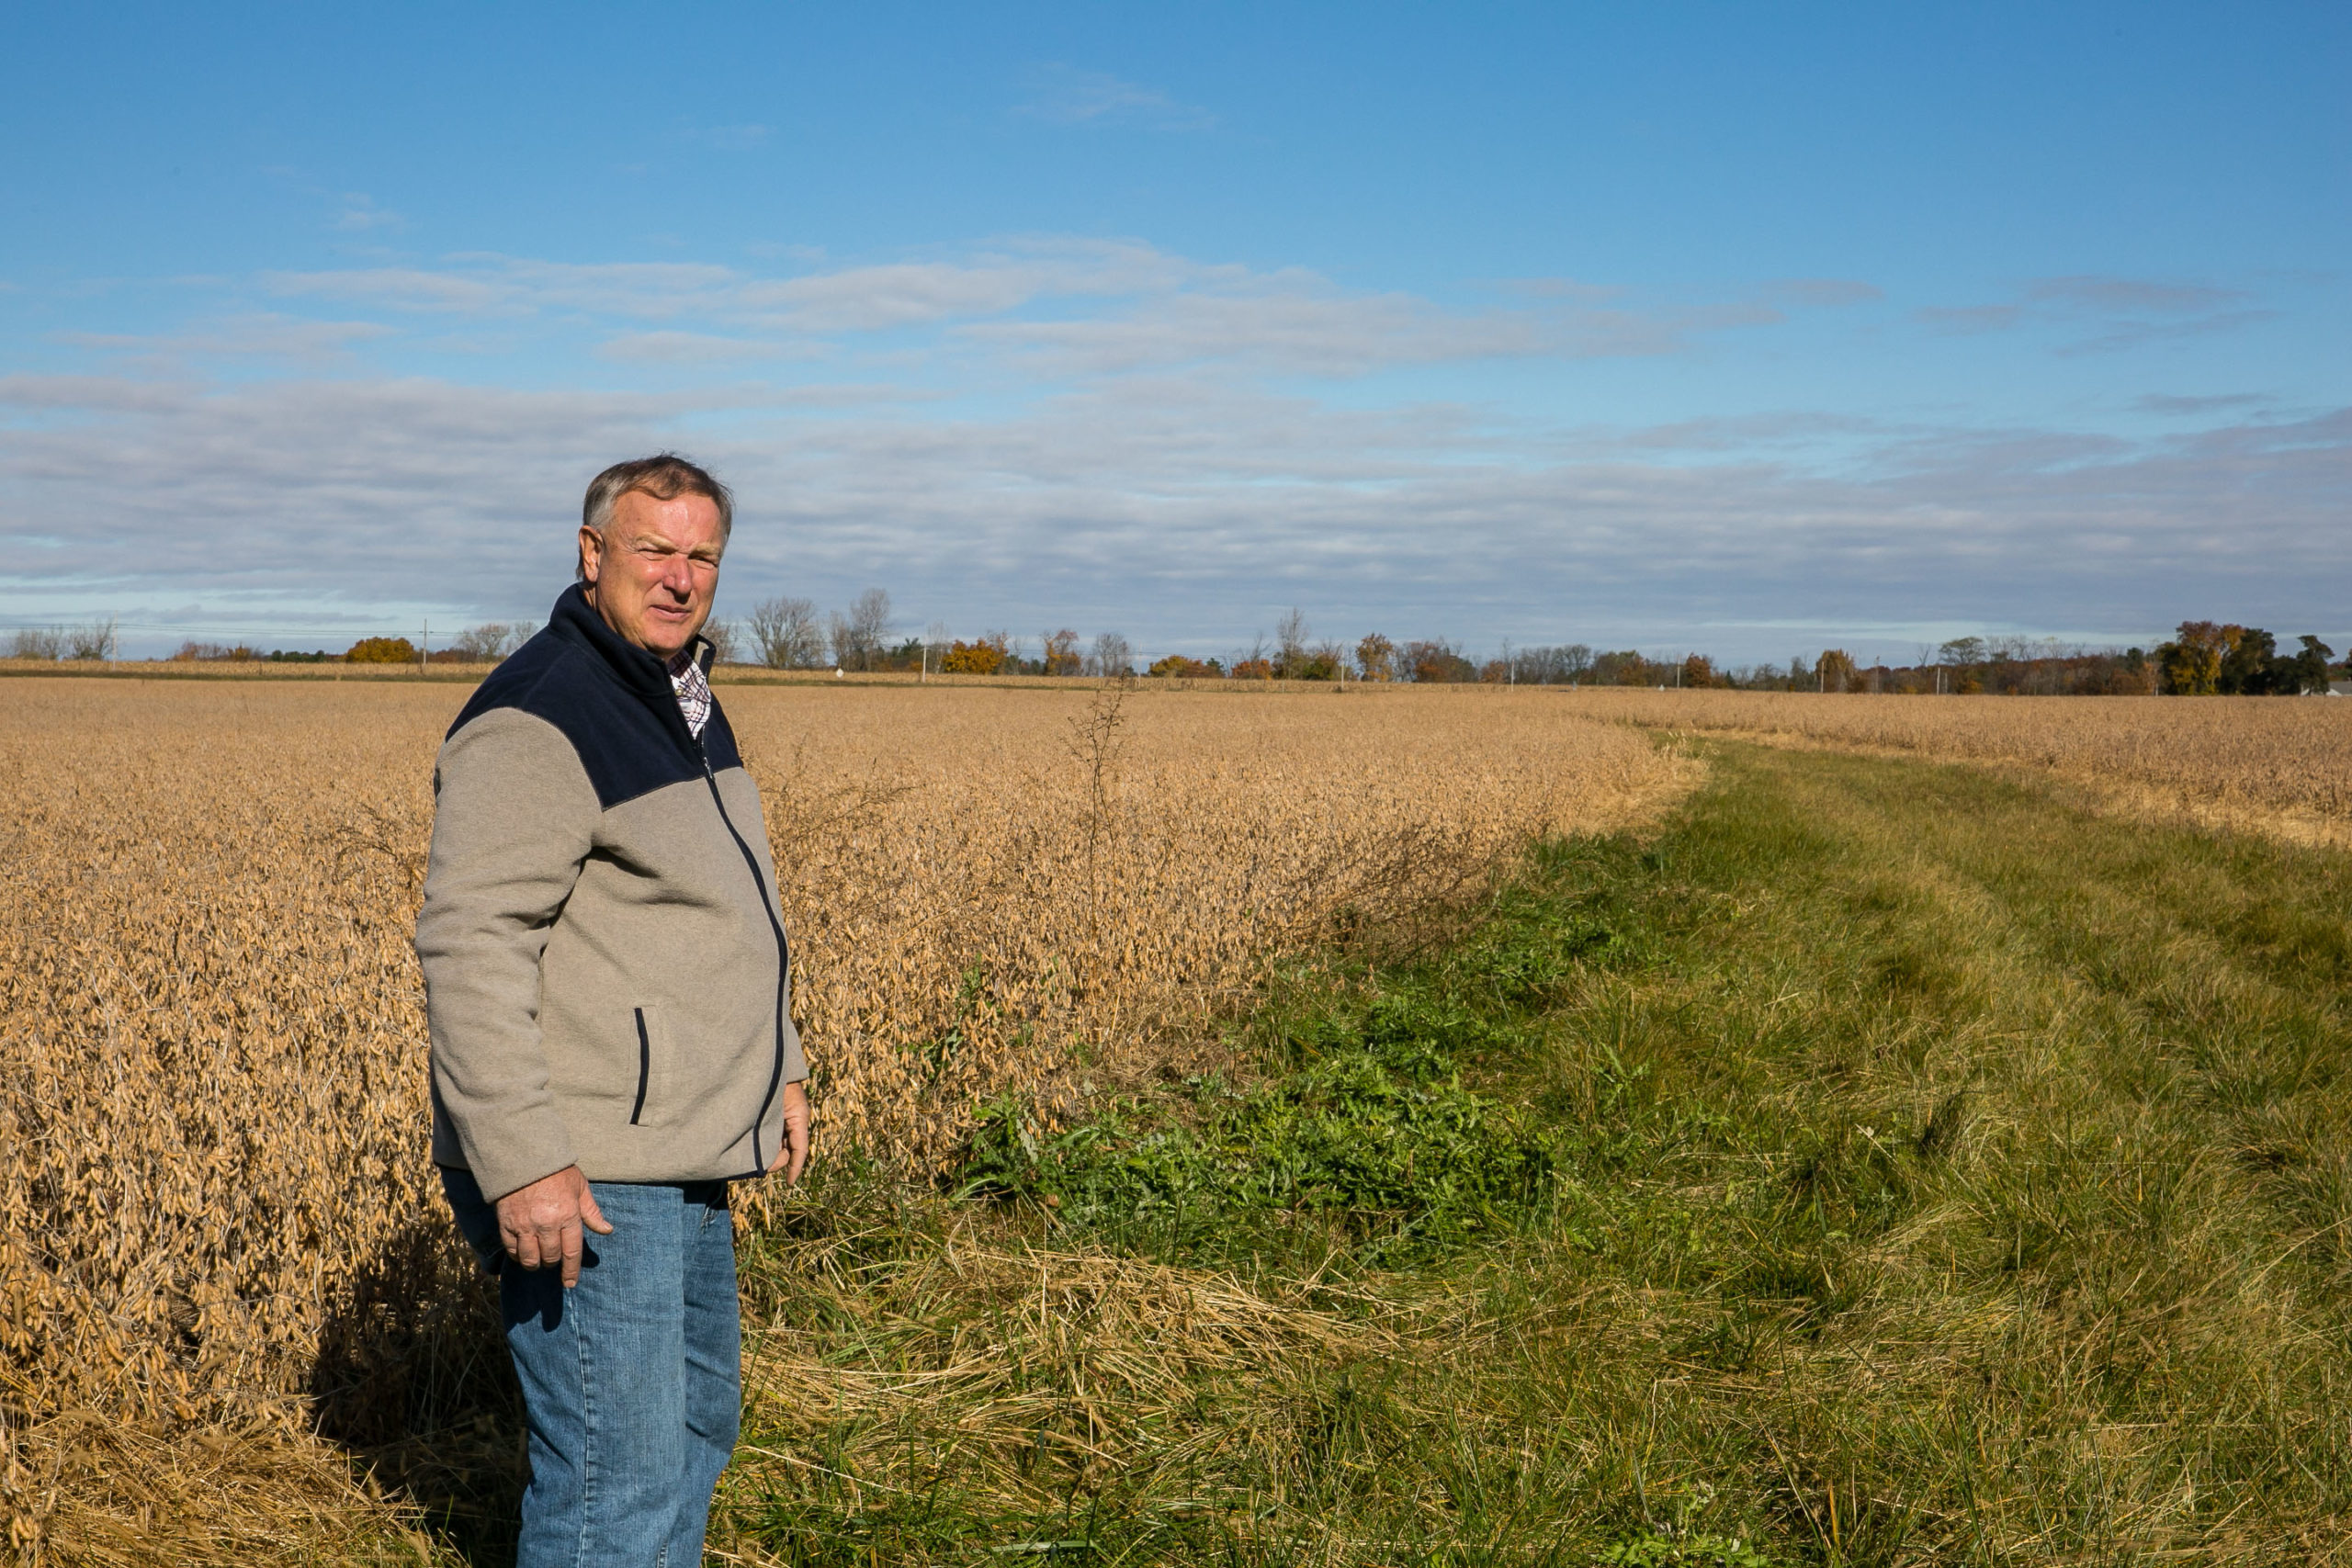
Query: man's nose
(678, 577)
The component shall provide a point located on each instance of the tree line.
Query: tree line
(90, 640)
(2204, 658)
(484, 644)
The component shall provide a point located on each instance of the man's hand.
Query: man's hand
(539, 1226)
(793, 1158)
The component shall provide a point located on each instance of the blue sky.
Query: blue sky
(1742, 328)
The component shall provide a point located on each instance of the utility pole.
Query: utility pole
(425, 653)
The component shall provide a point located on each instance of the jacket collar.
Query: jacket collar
(576, 621)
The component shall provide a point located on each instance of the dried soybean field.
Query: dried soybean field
(217, 1216)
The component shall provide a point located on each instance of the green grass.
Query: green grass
(1879, 1163)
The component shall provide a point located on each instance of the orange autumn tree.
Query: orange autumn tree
(383, 650)
(984, 656)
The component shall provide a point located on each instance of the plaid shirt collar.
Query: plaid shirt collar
(693, 688)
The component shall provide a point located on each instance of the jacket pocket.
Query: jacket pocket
(650, 1107)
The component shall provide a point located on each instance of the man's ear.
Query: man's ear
(592, 553)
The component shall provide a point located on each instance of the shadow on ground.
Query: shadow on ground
(413, 1381)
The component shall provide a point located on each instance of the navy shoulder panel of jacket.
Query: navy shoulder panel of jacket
(611, 699)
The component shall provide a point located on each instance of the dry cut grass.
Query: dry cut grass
(1008, 1377)
(2277, 765)
(216, 1213)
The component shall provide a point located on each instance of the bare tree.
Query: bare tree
(724, 637)
(859, 635)
(871, 616)
(483, 644)
(38, 642)
(1289, 638)
(1111, 656)
(93, 639)
(785, 634)
(493, 640)
(1565, 665)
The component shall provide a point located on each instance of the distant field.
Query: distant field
(234, 668)
(2281, 765)
(214, 1199)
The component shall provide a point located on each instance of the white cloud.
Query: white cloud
(881, 298)
(1071, 306)
(2102, 294)
(2125, 335)
(1066, 95)
(1176, 507)
(90, 394)
(361, 215)
(691, 348)
(263, 334)
(2117, 313)
(2192, 406)
(495, 286)
(1286, 324)
(414, 289)
(1969, 320)
(1295, 321)
(1102, 431)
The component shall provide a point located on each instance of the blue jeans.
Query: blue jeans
(632, 1380)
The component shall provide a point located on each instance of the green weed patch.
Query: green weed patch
(1369, 1142)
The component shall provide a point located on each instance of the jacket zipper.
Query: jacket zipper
(783, 952)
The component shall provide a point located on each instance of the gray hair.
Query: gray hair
(665, 476)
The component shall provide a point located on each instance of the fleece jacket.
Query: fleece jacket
(606, 978)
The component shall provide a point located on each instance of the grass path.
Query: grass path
(1882, 1163)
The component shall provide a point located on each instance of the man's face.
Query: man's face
(652, 572)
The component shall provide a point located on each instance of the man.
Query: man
(606, 978)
